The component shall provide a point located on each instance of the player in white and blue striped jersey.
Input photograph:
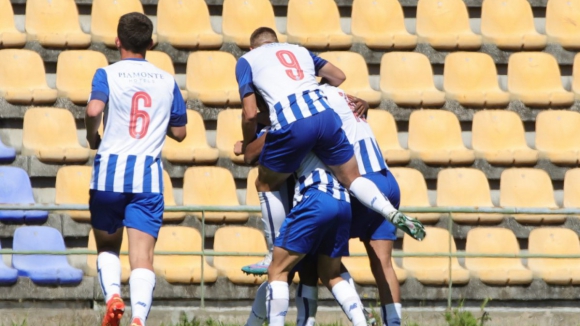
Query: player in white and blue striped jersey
(141, 104)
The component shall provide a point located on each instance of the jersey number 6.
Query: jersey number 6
(288, 59)
(139, 114)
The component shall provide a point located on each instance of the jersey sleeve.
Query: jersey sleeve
(244, 78)
(100, 86)
(318, 62)
(178, 117)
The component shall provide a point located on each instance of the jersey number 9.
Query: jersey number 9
(288, 59)
(139, 114)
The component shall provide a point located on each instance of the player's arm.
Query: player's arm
(249, 101)
(360, 106)
(330, 73)
(178, 117)
(94, 111)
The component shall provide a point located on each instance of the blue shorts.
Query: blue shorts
(286, 148)
(368, 224)
(319, 224)
(113, 210)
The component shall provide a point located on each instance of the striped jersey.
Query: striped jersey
(312, 173)
(285, 76)
(141, 102)
(358, 131)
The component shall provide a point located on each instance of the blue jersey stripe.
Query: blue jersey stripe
(280, 114)
(330, 184)
(129, 171)
(160, 174)
(111, 167)
(309, 102)
(147, 174)
(322, 99)
(96, 168)
(295, 110)
(295, 107)
(365, 157)
(378, 154)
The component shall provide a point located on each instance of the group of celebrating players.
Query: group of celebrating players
(292, 125)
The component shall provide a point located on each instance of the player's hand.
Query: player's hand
(94, 141)
(360, 106)
(239, 148)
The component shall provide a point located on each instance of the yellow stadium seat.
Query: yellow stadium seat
(385, 129)
(380, 25)
(9, 35)
(211, 78)
(238, 239)
(229, 131)
(91, 268)
(181, 269)
(529, 188)
(433, 270)
(572, 188)
(466, 187)
(22, 78)
(55, 23)
(576, 76)
(414, 192)
(252, 198)
(563, 22)
(186, 24)
(357, 75)
(555, 241)
(51, 135)
(169, 200)
(445, 25)
(407, 80)
(241, 18)
(498, 136)
(194, 148)
(534, 79)
(75, 71)
(435, 137)
(163, 61)
(72, 188)
(509, 24)
(558, 136)
(471, 79)
(316, 25)
(212, 186)
(104, 29)
(360, 268)
(495, 271)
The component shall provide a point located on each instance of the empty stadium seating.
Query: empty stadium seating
(211, 78)
(359, 267)
(498, 136)
(444, 24)
(91, 267)
(43, 269)
(572, 188)
(385, 130)
(534, 79)
(241, 18)
(555, 241)
(50, 134)
(55, 23)
(104, 29)
(558, 136)
(495, 271)
(229, 131)
(72, 188)
(435, 137)
(471, 80)
(357, 75)
(22, 78)
(163, 61)
(212, 186)
(16, 189)
(509, 24)
(181, 269)
(563, 23)
(466, 187)
(252, 198)
(380, 25)
(8, 276)
(407, 80)
(7, 154)
(414, 192)
(316, 25)
(74, 73)
(576, 76)
(186, 24)
(531, 188)
(9, 35)
(433, 270)
(238, 239)
(194, 148)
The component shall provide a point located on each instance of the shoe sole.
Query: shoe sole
(115, 316)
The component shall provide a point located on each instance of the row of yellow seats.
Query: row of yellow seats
(315, 24)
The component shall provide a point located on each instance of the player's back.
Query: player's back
(314, 174)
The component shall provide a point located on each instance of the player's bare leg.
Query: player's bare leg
(142, 280)
(109, 270)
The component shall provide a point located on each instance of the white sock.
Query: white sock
(141, 285)
(273, 214)
(350, 302)
(259, 313)
(346, 276)
(109, 270)
(391, 314)
(277, 299)
(369, 195)
(306, 304)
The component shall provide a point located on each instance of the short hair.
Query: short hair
(262, 34)
(135, 31)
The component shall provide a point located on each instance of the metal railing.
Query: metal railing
(256, 209)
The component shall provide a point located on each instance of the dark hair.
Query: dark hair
(134, 32)
(259, 34)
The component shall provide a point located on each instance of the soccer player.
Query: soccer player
(141, 104)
